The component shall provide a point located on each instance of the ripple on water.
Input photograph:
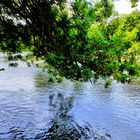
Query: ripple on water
(31, 109)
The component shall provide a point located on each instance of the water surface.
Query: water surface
(32, 108)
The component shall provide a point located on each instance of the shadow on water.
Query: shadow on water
(62, 125)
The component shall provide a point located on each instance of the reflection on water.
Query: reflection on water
(33, 108)
(62, 125)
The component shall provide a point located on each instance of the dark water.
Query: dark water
(32, 108)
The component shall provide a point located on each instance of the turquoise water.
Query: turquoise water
(32, 108)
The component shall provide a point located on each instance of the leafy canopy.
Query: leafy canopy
(79, 40)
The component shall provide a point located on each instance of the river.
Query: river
(31, 108)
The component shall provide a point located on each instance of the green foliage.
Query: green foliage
(104, 9)
(134, 3)
(108, 83)
(87, 42)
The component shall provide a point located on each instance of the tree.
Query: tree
(79, 45)
(117, 43)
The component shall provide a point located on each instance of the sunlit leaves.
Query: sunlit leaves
(87, 42)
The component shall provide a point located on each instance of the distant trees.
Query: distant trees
(82, 44)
